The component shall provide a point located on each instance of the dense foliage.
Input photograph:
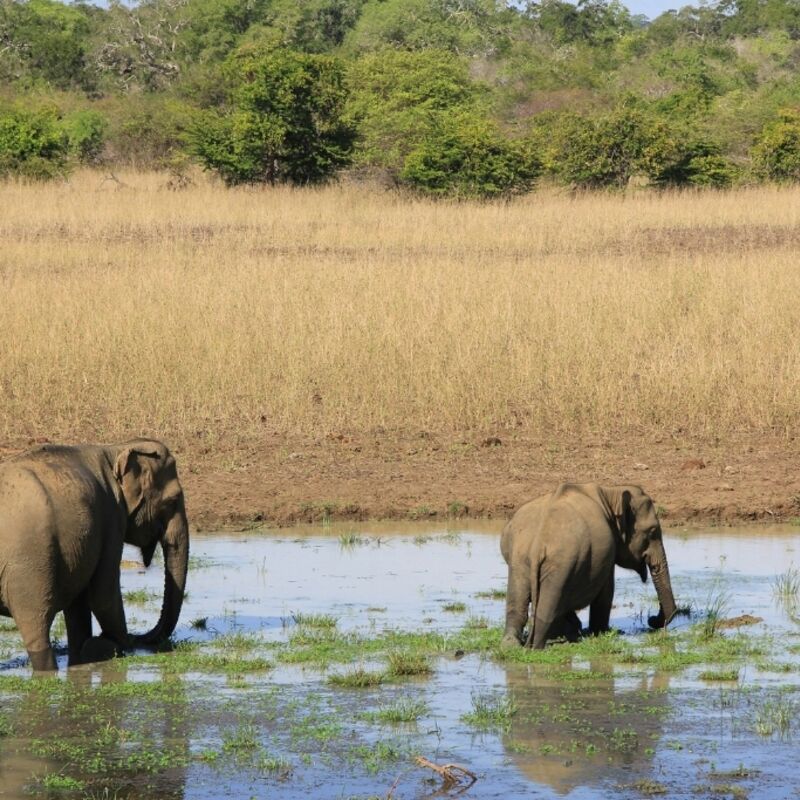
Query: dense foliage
(283, 122)
(451, 97)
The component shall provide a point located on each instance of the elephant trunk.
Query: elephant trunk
(659, 571)
(175, 546)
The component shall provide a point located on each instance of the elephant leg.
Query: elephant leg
(518, 597)
(78, 618)
(105, 602)
(571, 627)
(33, 621)
(549, 621)
(35, 632)
(98, 648)
(600, 609)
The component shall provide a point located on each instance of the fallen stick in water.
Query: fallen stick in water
(451, 774)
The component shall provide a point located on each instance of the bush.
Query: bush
(606, 151)
(145, 130)
(32, 145)
(397, 97)
(776, 153)
(468, 157)
(86, 134)
(698, 163)
(285, 121)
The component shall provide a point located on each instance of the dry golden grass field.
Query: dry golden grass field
(312, 349)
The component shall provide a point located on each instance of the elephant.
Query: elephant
(65, 513)
(561, 549)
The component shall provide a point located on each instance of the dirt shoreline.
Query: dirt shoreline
(277, 480)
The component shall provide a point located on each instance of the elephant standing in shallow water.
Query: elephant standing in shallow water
(561, 550)
(65, 513)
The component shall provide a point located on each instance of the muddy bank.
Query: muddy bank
(282, 480)
(279, 480)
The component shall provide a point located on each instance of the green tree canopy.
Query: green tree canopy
(284, 121)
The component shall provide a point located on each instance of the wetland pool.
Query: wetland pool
(320, 662)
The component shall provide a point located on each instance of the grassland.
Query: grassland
(218, 319)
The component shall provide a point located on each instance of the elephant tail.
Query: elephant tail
(536, 566)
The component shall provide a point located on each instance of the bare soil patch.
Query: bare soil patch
(281, 479)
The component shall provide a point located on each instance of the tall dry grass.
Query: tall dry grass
(133, 309)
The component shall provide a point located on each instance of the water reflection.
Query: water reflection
(584, 726)
(101, 729)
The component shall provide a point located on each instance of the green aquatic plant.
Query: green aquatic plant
(407, 663)
(491, 711)
(358, 678)
(140, 597)
(492, 594)
(455, 607)
(775, 717)
(787, 585)
(315, 620)
(55, 782)
(405, 709)
(719, 675)
(351, 539)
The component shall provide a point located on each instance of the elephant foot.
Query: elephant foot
(98, 648)
(510, 639)
(43, 660)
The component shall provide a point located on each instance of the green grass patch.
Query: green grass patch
(775, 717)
(719, 675)
(379, 755)
(404, 663)
(274, 765)
(351, 539)
(140, 597)
(358, 678)
(55, 782)
(403, 710)
(455, 607)
(492, 594)
(243, 740)
(787, 585)
(326, 621)
(491, 712)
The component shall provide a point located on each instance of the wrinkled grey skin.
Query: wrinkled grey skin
(65, 513)
(561, 550)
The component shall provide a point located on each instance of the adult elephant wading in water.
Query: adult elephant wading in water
(561, 550)
(65, 513)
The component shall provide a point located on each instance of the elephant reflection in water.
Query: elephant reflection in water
(572, 732)
(84, 714)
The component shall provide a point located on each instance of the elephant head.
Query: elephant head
(641, 548)
(156, 514)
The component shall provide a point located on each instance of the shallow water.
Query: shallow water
(584, 729)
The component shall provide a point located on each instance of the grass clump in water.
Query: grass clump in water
(492, 594)
(403, 710)
(719, 675)
(787, 586)
(775, 717)
(140, 597)
(404, 663)
(55, 782)
(351, 539)
(455, 607)
(491, 712)
(326, 621)
(359, 678)
(274, 765)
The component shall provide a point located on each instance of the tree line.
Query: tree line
(465, 98)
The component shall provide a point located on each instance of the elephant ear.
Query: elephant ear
(626, 518)
(134, 477)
